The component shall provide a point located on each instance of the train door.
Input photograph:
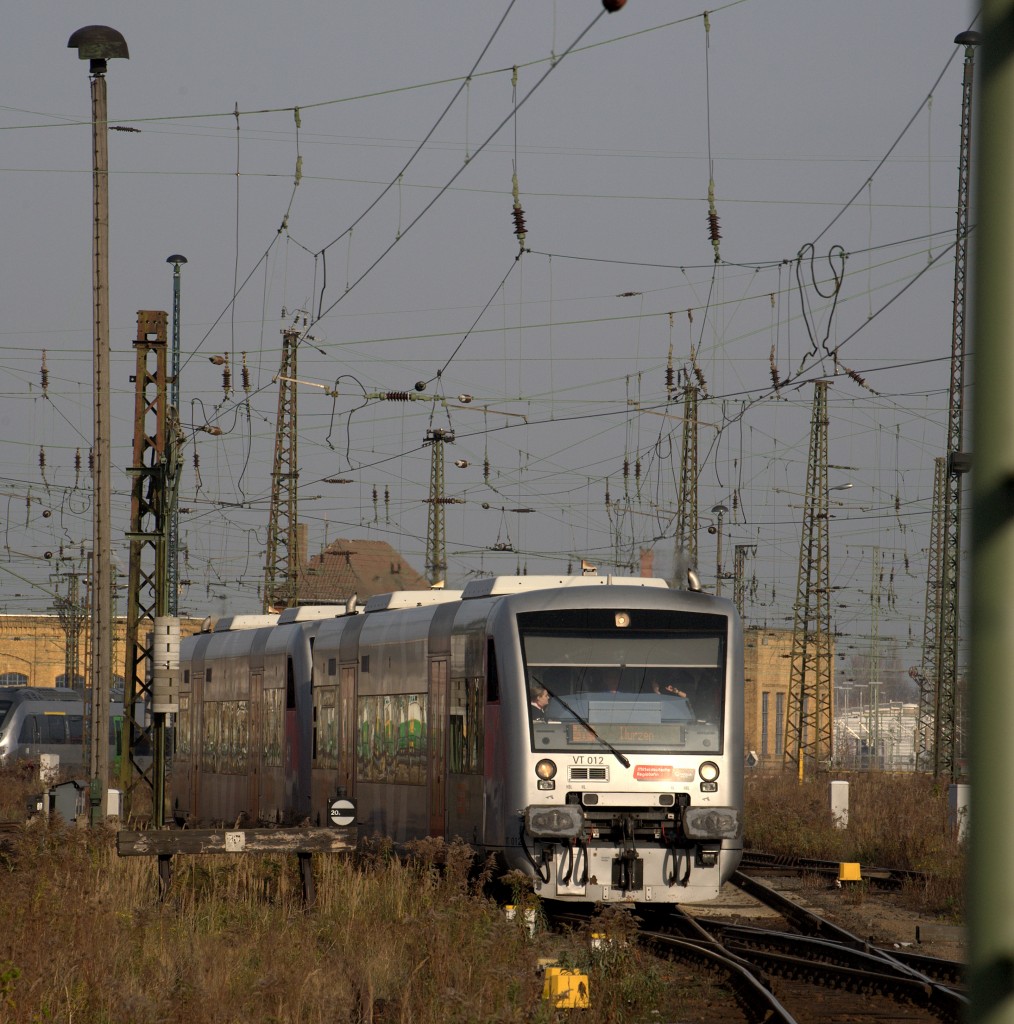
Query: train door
(437, 745)
(347, 742)
(255, 745)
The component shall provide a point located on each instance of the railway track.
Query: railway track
(803, 969)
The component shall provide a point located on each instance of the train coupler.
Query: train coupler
(628, 871)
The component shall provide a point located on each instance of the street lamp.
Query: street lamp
(719, 511)
(97, 44)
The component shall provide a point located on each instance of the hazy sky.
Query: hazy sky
(829, 130)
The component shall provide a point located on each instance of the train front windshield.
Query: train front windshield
(639, 680)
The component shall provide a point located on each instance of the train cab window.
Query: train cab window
(654, 682)
(75, 728)
(492, 680)
(29, 730)
(290, 685)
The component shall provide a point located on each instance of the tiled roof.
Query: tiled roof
(360, 567)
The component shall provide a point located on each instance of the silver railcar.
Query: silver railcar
(628, 787)
(37, 720)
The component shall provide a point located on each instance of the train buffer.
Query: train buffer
(304, 842)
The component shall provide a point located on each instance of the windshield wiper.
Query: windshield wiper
(584, 721)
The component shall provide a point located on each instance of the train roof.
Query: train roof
(310, 612)
(41, 692)
(400, 599)
(230, 622)
(496, 586)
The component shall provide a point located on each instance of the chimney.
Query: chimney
(302, 544)
(647, 562)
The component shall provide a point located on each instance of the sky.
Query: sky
(347, 171)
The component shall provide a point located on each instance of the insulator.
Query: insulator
(735, 500)
(396, 396)
(485, 469)
(612, 6)
(44, 373)
(226, 377)
(637, 470)
(775, 379)
(42, 459)
(607, 497)
(91, 460)
(375, 495)
(77, 460)
(626, 468)
(519, 222)
(246, 375)
(713, 227)
(197, 459)
(387, 504)
(670, 374)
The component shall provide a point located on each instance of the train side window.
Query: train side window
(29, 730)
(290, 684)
(492, 679)
(75, 727)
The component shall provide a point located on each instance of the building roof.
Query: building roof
(356, 567)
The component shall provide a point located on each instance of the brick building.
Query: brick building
(33, 651)
(767, 660)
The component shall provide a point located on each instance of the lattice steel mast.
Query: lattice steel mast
(928, 674)
(948, 744)
(809, 724)
(147, 592)
(281, 575)
(686, 509)
(436, 544)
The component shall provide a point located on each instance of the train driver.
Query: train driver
(538, 698)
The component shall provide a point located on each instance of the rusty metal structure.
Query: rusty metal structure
(809, 719)
(147, 592)
(948, 736)
(686, 506)
(436, 541)
(281, 571)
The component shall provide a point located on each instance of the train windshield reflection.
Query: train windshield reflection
(640, 692)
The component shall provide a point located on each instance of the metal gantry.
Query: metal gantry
(147, 592)
(686, 509)
(436, 543)
(174, 444)
(948, 752)
(928, 674)
(281, 576)
(809, 723)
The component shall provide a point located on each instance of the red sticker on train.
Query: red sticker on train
(662, 773)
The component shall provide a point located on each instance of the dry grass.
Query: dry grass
(895, 820)
(85, 940)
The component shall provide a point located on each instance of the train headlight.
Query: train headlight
(546, 769)
(708, 771)
(622, 620)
